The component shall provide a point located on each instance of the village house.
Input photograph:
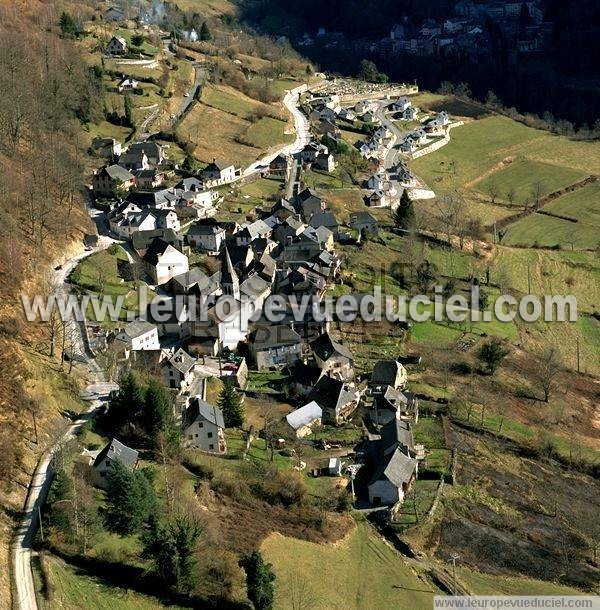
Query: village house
(377, 181)
(311, 150)
(141, 240)
(139, 336)
(178, 370)
(337, 399)
(128, 224)
(127, 84)
(363, 221)
(148, 178)
(410, 114)
(116, 46)
(281, 165)
(112, 13)
(326, 219)
(303, 420)
(310, 203)
(167, 219)
(162, 262)
(114, 451)
(134, 160)
(207, 237)
(332, 357)
(112, 180)
(400, 105)
(388, 373)
(274, 346)
(258, 229)
(395, 403)
(392, 479)
(219, 172)
(203, 427)
(325, 162)
(109, 148)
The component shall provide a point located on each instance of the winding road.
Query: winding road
(97, 389)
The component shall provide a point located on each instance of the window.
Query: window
(200, 424)
(210, 435)
(211, 447)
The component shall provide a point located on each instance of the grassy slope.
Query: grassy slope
(360, 572)
(479, 146)
(73, 589)
(582, 205)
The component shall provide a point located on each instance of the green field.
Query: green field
(73, 589)
(492, 584)
(234, 102)
(582, 205)
(361, 572)
(527, 178)
(477, 148)
(267, 133)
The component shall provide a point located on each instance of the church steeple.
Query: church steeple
(230, 282)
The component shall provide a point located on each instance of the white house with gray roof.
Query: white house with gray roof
(114, 451)
(139, 336)
(203, 427)
(178, 370)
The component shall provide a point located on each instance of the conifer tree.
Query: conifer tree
(404, 217)
(205, 32)
(230, 403)
(130, 499)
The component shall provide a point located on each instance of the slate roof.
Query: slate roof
(304, 415)
(386, 372)
(397, 468)
(137, 328)
(307, 193)
(205, 229)
(266, 337)
(330, 394)
(116, 172)
(115, 450)
(323, 219)
(218, 165)
(198, 408)
(324, 347)
(156, 249)
(142, 239)
(190, 184)
(397, 432)
(182, 361)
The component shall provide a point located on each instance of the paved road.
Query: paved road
(97, 389)
(290, 101)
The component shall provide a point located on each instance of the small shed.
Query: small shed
(335, 467)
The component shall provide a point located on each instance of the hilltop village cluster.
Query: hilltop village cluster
(287, 248)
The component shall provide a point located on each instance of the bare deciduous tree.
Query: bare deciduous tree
(547, 370)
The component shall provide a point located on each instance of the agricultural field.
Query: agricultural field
(579, 229)
(237, 138)
(518, 175)
(73, 588)
(483, 147)
(360, 572)
(234, 102)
